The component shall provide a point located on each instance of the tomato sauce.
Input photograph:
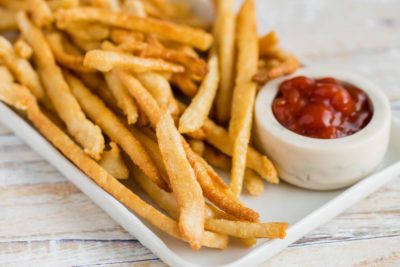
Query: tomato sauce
(323, 108)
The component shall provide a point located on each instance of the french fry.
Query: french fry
(115, 129)
(120, 36)
(107, 60)
(21, 68)
(5, 74)
(196, 113)
(83, 130)
(20, 98)
(124, 100)
(160, 89)
(266, 42)
(185, 84)
(86, 45)
(224, 32)
(247, 229)
(135, 7)
(113, 5)
(162, 29)
(288, 66)
(88, 31)
(13, 5)
(253, 183)
(22, 49)
(8, 20)
(73, 61)
(219, 138)
(113, 163)
(41, 13)
(183, 181)
(193, 65)
(58, 4)
(244, 92)
(197, 146)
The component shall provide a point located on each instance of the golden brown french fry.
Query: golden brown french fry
(253, 183)
(219, 138)
(134, 7)
(22, 49)
(73, 61)
(83, 130)
(247, 229)
(183, 181)
(120, 36)
(20, 98)
(58, 4)
(288, 66)
(21, 68)
(5, 74)
(244, 92)
(41, 13)
(224, 32)
(107, 60)
(196, 113)
(160, 89)
(115, 129)
(197, 146)
(185, 84)
(113, 5)
(266, 42)
(124, 100)
(8, 20)
(86, 45)
(113, 163)
(88, 31)
(167, 30)
(13, 5)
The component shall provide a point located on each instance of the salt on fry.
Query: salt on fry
(196, 113)
(113, 163)
(20, 98)
(179, 33)
(224, 32)
(115, 129)
(183, 181)
(244, 92)
(22, 49)
(41, 13)
(247, 229)
(107, 60)
(73, 61)
(160, 89)
(83, 130)
(124, 100)
(219, 138)
(21, 68)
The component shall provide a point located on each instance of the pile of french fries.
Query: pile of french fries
(143, 90)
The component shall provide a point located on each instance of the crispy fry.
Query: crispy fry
(113, 163)
(120, 36)
(288, 66)
(86, 45)
(224, 32)
(85, 132)
(244, 92)
(185, 84)
(196, 113)
(58, 4)
(8, 20)
(107, 4)
(183, 181)
(160, 89)
(107, 60)
(22, 49)
(5, 74)
(21, 68)
(20, 98)
(115, 129)
(247, 229)
(163, 29)
(88, 31)
(41, 13)
(253, 183)
(193, 65)
(219, 138)
(197, 146)
(267, 41)
(124, 100)
(13, 5)
(73, 61)
(135, 7)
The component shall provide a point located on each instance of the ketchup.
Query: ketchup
(321, 108)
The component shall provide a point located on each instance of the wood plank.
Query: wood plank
(370, 252)
(76, 253)
(19, 164)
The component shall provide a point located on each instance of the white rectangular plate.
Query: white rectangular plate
(303, 209)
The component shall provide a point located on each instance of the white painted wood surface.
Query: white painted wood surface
(46, 221)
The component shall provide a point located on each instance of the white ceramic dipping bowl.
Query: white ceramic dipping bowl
(323, 164)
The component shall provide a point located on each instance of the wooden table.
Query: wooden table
(44, 220)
